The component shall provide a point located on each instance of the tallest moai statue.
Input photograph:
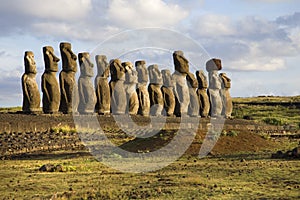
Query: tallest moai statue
(181, 89)
(31, 94)
(68, 86)
(50, 89)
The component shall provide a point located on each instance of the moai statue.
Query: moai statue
(117, 88)
(50, 88)
(215, 86)
(142, 91)
(181, 89)
(102, 87)
(131, 80)
(193, 109)
(202, 94)
(154, 89)
(87, 97)
(168, 93)
(31, 94)
(227, 100)
(68, 87)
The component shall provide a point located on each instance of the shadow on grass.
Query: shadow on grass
(48, 155)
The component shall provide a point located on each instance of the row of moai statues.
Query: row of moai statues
(128, 92)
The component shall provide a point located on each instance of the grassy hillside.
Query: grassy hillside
(282, 111)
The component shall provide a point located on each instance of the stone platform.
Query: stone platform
(23, 134)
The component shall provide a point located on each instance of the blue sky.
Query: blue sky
(257, 40)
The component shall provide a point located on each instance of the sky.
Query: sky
(257, 40)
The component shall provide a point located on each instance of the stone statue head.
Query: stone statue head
(192, 81)
(202, 79)
(130, 73)
(86, 66)
(142, 71)
(102, 66)
(117, 71)
(226, 81)
(155, 75)
(213, 64)
(180, 62)
(68, 57)
(167, 78)
(50, 59)
(29, 62)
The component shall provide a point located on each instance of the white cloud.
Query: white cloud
(67, 10)
(211, 25)
(248, 44)
(257, 64)
(139, 13)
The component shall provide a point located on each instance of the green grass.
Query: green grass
(63, 129)
(188, 178)
(275, 99)
(271, 114)
(10, 109)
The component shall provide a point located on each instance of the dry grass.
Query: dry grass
(257, 176)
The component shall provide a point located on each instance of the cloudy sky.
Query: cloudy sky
(257, 40)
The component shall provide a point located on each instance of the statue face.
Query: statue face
(167, 77)
(202, 79)
(102, 66)
(130, 73)
(226, 81)
(142, 71)
(155, 75)
(68, 57)
(192, 81)
(51, 61)
(117, 71)
(86, 66)
(214, 80)
(180, 62)
(30, 66)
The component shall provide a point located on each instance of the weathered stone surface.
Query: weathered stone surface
(102, 86)
(168, 93)
(181, 92)
(193, 109)
(180, 62)
(213, 64)
(202, 93)
(154, 89)
(131, 80)
(50, 88)
(117, 88)
(142, 91)
(68, 87)
(227, 100)
(87, 97)
(215, 86)
(31, 94)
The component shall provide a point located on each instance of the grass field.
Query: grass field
(256, 176)
(228, 173)
(282, 111)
